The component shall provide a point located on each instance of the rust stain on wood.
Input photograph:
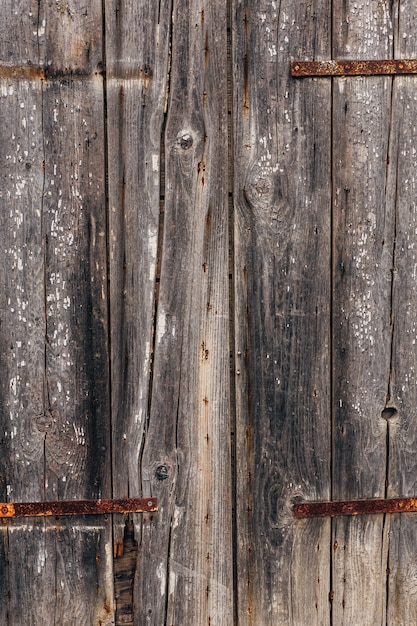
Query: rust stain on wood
(390, 67)
(40, 72)
(22, 72)
(355, 507)
(77, 507)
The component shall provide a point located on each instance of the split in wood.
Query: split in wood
(78, 507)
(304, 510)
(390, 67)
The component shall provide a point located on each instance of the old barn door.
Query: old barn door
(325, 312)
(208, 297)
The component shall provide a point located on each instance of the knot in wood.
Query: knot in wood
(161, 472)
(185, 141)
(389, 413)
(44, 421)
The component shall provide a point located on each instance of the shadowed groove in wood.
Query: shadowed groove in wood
(124, 573)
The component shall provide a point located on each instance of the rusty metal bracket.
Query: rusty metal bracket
(78, 507)
(390, 67)
(303, 510)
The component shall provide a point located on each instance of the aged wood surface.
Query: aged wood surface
(185, 575)
(364, 239)
(137, 66)
(54, 395)
(208, 296)
(401, 533)
(282, 311)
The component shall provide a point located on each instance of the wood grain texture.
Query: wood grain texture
(137, 65)
(58, 574)
(282, 311)
(364, 236)
(55, 392)
(185, 574)
(401, 531)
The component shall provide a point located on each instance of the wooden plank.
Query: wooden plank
(282, 311)
(400, 534)
(4, 576)
(19, 22)
(77, 445)
(54, 313)
(49, 564)
(185, 574)
(362, 264)
(22, 331)
(137, 53)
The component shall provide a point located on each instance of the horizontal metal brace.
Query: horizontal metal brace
(389, 67)
(355, 507)
(77, 507)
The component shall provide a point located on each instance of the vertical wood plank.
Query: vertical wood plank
(400, 530)
(185, 574)
(282, 313)
(362, 264)
(55, 413)
(137, 65)
(19, 23)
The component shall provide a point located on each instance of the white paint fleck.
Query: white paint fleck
(79, 435)
(13, 385)
(161, 574)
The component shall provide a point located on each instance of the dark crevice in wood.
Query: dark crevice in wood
(168, 572)
(56, 603)
(161, 232)
(331, 315)
(391, 319)
(44, 240)
(107, 227)
(124, 567)
(388, 411)
(232, 288)
(387, 571)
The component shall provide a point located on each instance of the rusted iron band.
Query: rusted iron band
(353, 68)
(78, 507)
(355, 507)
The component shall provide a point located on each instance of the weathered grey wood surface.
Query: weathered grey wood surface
(282, 311)
(167, 113)
(364, 241)
(401, 532)
(208, 296)
(54, 395)
(189, 424)
(137, 66)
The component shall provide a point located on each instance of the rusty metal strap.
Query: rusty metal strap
(355, 507)
(390, 67)
(78, 507)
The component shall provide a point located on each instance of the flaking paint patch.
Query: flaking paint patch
(41, 560)
(161, 575)
(161, 327)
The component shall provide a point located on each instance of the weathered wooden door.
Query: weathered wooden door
(208, 296)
